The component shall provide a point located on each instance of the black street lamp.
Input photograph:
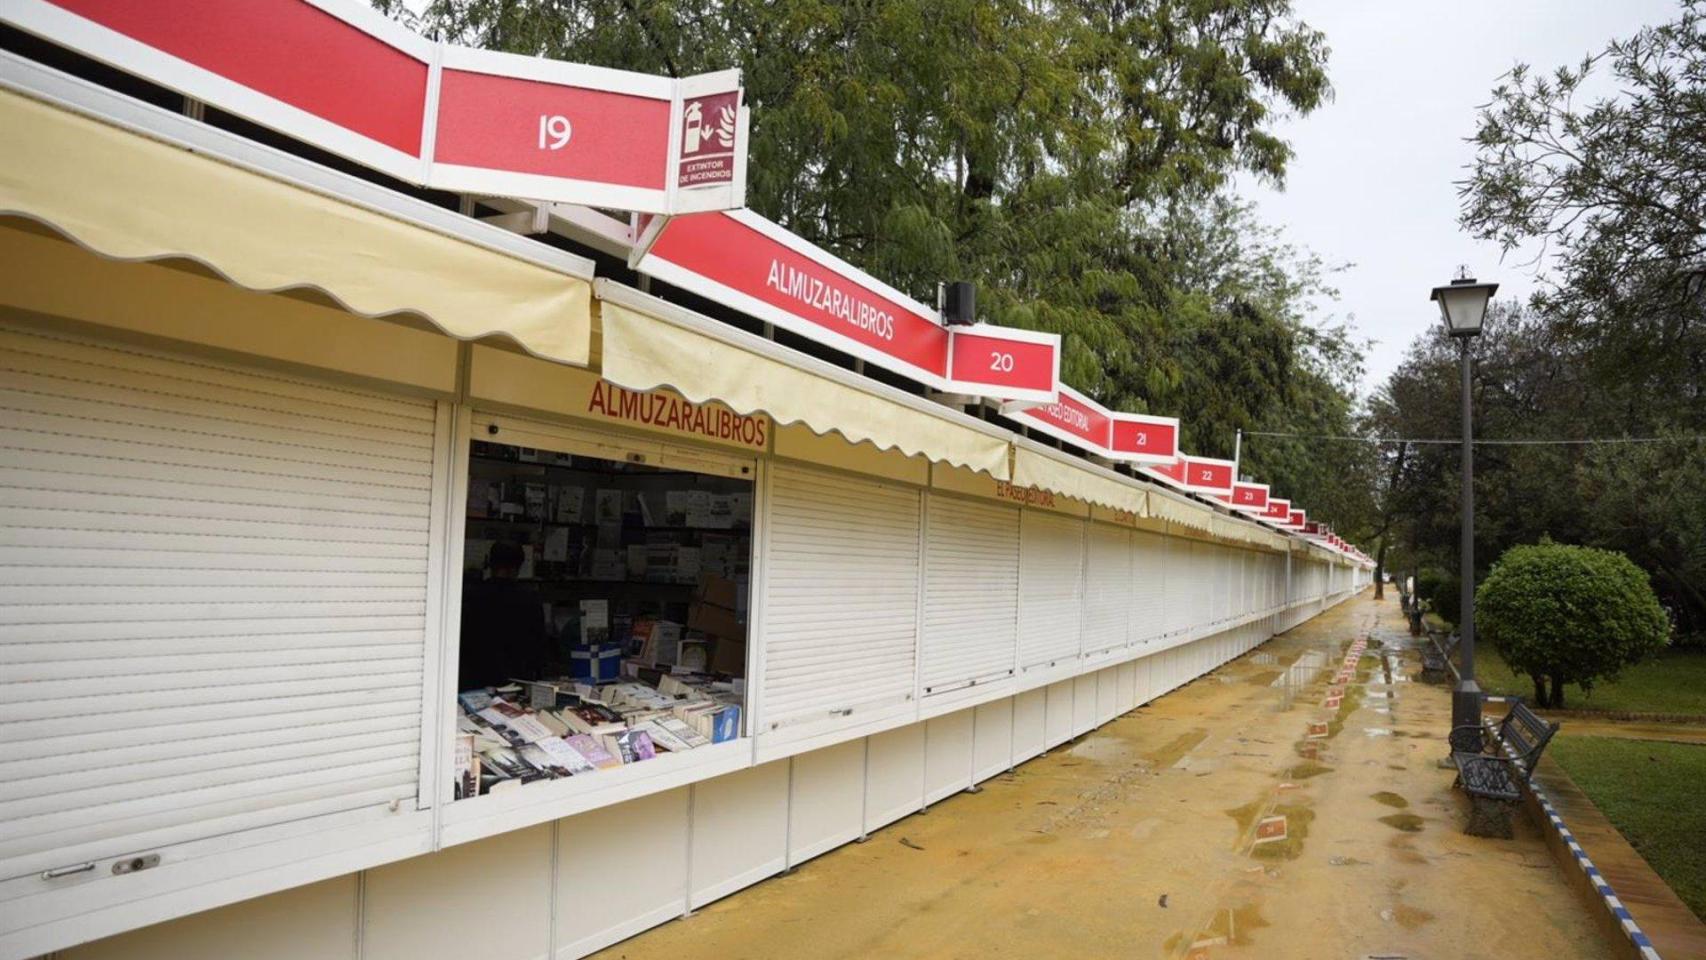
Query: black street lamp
(1463, 305)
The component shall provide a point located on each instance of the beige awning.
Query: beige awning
(130, 197)
(1177, 509)
(1032, 468)
(648, 344)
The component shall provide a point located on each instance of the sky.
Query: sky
(1372, 180)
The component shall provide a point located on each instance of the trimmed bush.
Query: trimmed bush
(1568, 614)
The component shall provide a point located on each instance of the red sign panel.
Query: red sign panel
(1208, 476)
(1173, 471)
(1278, 510)
(340, 76)
(1298, 518)
(1250, 496)
(1144, 439)
(288, 50)
(551, 130)
(1011, 364)
(751, 264)
(1074, 418)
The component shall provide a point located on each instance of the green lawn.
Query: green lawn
(1651, 792)
(1673, 683)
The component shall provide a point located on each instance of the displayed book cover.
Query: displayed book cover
(556, 545)
(593, 751)
(473, 701)
(631, 745)
(725, 724)
(681, 730)
(607, 507)
(662, 738)
(505, 763)
(467, 767)
(593, 719)
(569, 500)
(564, 756)
(595, 621)
(508, 717)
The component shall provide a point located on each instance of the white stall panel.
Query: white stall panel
(1058, 723)
(840, 619)
(992, 739)
(971, 593)
(1051, 588)
(1126, 691)
(1107, 694)
(620, 869)
(318, 920)
(828, 799)
(739, 831)
(894, 775)
(213, 598)
(947, 755)
(1083, 703)
(1107, 607)
(414, 907)
(1030, 724)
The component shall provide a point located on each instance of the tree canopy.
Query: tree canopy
(1072, 159)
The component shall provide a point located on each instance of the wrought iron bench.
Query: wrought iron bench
(1436, 657)
(1493, 767)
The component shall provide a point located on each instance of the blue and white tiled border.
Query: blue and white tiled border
(1625, 921)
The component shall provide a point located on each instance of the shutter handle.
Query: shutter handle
(58, 872)
(843, 712)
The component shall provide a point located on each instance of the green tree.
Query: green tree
(1568, 614)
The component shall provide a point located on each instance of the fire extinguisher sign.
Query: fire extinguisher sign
(709, 129)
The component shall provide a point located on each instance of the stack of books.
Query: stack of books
(546, 730)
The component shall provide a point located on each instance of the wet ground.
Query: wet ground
(1288, 805)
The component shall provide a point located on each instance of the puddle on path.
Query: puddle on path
(1231, 926)
(1406, 916)
(1306, 769)
(1390, 799)
(1407, 822)
(1180, 745)
(1286, 847)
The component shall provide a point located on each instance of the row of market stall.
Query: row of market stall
(433, 563)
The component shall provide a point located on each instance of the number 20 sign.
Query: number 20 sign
(1003, 362)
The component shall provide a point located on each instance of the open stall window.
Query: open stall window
(604, 613)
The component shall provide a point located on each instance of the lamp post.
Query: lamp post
(1462, 306)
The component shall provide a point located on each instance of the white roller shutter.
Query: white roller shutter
(1224, 562)
(841, 588)
(213, 598)
(1149, 586)
(1051, 587)
(1180, 584)
(1108, 572)
(971, 593)
(1241, 590)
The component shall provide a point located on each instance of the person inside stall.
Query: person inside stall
(503, 624)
